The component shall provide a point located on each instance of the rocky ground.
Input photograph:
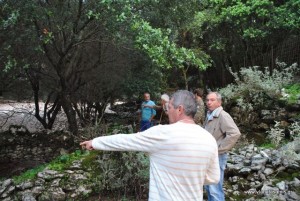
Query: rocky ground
(252, 173)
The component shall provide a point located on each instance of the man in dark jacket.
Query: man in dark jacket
(221, 125)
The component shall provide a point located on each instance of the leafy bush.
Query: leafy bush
(276, 134)
(257, 88)
(292, 93)
(254, 84)
(123, 173)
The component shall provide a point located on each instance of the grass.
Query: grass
(29, 174)
(267, 145)
(59, 164)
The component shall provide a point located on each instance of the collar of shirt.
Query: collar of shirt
(210, 115)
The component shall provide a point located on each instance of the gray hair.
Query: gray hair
(219, 96)
(187, 100)
(165, 97)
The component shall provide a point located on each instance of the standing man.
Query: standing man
(200, 114)
(164, 100)
(183, 155)
(221, 125)
(147, 113)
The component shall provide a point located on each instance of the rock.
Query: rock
(49, 175)
(56, 194)
(236, 193)
(281, 185)
(293, 195)
(235, 187)
(76, 177)
(8, 191)
(5, 184)
(250, 147)
(295, 182)
(234, 167)
(37, 190)
(25, 185)
(55, 182)
(262, 177)
(235, 159)
(245, 171)
(28, 197)
(247, 162)
(39, 182)
(268, 190)
(268, 171)
(76, 165)
(258, 163)
(264, 154)
(233, 179)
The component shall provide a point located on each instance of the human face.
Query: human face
(171, 112)
(212, 102)
(146, 97)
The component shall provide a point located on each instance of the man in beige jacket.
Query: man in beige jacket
(221, 125)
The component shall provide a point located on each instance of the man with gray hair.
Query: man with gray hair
(221, 125)
(183, 156)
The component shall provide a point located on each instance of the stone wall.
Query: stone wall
(20, 149)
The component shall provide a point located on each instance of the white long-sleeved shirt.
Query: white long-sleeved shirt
(183, 157)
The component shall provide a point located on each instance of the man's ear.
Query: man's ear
(180, 108)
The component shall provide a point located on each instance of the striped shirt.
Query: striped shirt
(183, 157)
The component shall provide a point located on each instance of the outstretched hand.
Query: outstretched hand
(87, 145)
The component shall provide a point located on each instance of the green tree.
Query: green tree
(78, 51)
(237, 33)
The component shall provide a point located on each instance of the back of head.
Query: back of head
(199, 92)
(165, 97)
(187, 100)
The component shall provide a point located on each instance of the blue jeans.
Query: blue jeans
(215, 192)
(145, 124)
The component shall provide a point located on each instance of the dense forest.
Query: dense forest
(78, 55)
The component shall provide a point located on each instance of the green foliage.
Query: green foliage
(293, 93)
(267, 145)
(256, 88)
(161, 50)
(276, 134)
(294, 129)
(64, 161)
(123, 173)
(29, 174)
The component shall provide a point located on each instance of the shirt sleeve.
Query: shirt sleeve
(153, 112)
(147, 141)
(213, 171)
(232, 133)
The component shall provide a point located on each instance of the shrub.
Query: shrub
(255, 84)
(291, 93)
(276, 134)
(257, 88)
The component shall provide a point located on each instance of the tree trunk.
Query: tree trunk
(70, 113)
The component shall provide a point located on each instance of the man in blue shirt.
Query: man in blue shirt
(147, 113)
